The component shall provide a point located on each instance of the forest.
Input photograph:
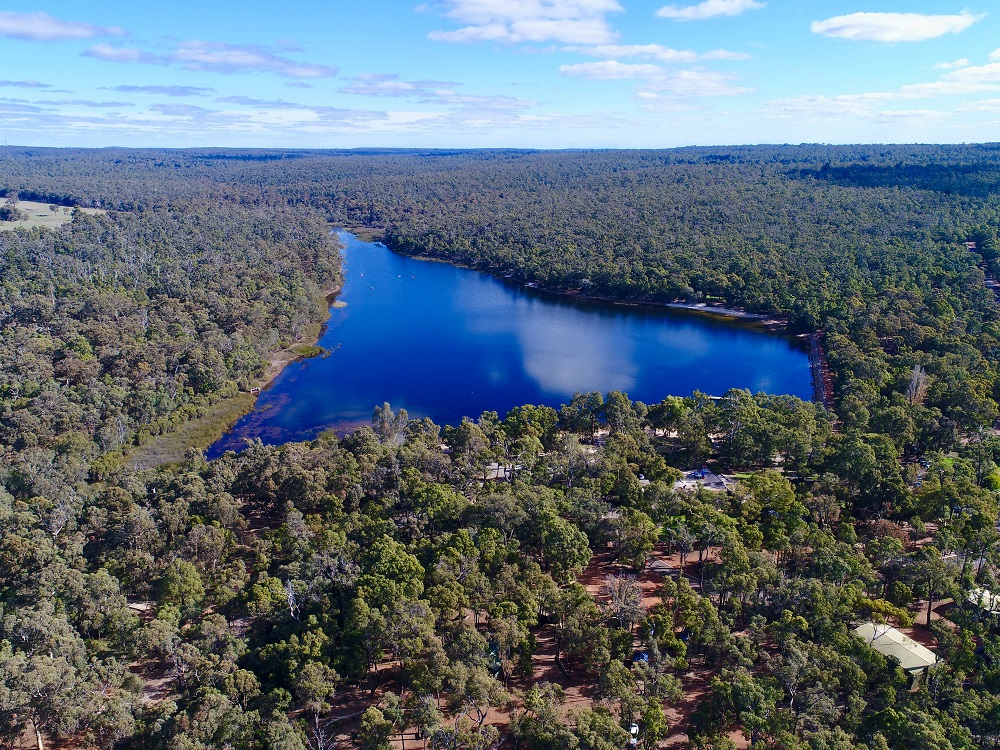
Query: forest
(538, 579)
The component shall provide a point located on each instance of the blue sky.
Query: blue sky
(512, 73)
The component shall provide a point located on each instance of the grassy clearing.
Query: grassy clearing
(307, 350)
(40, 215)
(366, 234)
(168, 449)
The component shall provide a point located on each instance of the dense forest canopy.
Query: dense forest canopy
(373, 588)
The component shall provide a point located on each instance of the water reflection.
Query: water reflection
(446, 342)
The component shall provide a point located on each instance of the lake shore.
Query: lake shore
(727, 312)
(696, 327)
(769, 322)
(719, 311)
(279, 360)
(220, 417)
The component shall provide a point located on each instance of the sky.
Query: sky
(498, 73)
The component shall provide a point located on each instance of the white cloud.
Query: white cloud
(657, 52)
(941, 88)
(431, 92)
(41, 27)
(84, 103)
(983, 105)
(29, 84)
(164, 90)
(893, 27)
(973, 79)
(274, 111)
(951, 65)
(466, 122)
(725, 54)
(271, 113)
(120, 54)
(13, 108)
(612, 70)
(694, 83)
(181, 110)
(644, 51)
(708, 9)
(215, 57)
(652, 101)
(854, 105)
(811, 108)
(479, 103)
(906, 116)
(388, 84)
(861, 107)
(989, 73)
(515, 21)
(659, 83)
(268, 104)
(167, 124)
(218, 57)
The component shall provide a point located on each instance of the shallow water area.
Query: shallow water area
(446, 342)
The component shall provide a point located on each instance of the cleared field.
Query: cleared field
(40, 215)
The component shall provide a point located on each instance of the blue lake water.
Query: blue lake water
(446, 342)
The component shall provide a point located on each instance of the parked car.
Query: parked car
(633, 735)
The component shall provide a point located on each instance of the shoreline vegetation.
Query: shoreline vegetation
(771, 322)
(219, 420)
(819, 367)
(169, 447)
(704, 308)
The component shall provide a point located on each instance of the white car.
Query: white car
(633, 731)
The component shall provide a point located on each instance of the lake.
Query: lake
(446, 342)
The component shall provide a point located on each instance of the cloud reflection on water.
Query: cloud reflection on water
(557, 350)
(445, 342)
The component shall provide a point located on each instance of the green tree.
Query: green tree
(597, 729)
(582, 414)
(390, 573)
(181, 585)
(387, 424)
(314, 687)
(633, 537)
(621, 414)
(564, 549)
(375, 730)
(654, 724)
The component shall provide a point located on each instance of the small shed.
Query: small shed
(888, 641)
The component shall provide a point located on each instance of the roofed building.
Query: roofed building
(888, 641)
